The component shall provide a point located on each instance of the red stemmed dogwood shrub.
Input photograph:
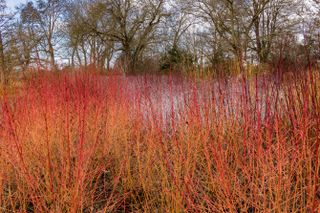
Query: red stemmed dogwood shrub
(83, 142)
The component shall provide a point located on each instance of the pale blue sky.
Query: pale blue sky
(13, 3)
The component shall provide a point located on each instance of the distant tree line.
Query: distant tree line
(153, 35)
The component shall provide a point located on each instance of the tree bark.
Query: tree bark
(52, 56)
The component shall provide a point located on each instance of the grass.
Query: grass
(82, 142)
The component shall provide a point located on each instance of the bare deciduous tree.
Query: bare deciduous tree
(45, 17)
(204, 33)
(272, 20)
(6, 19)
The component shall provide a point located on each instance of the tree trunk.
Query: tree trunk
(73, 57)
(52, 57)
(79, 58)
(240, 59)
(127, 63)
(84, 52)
